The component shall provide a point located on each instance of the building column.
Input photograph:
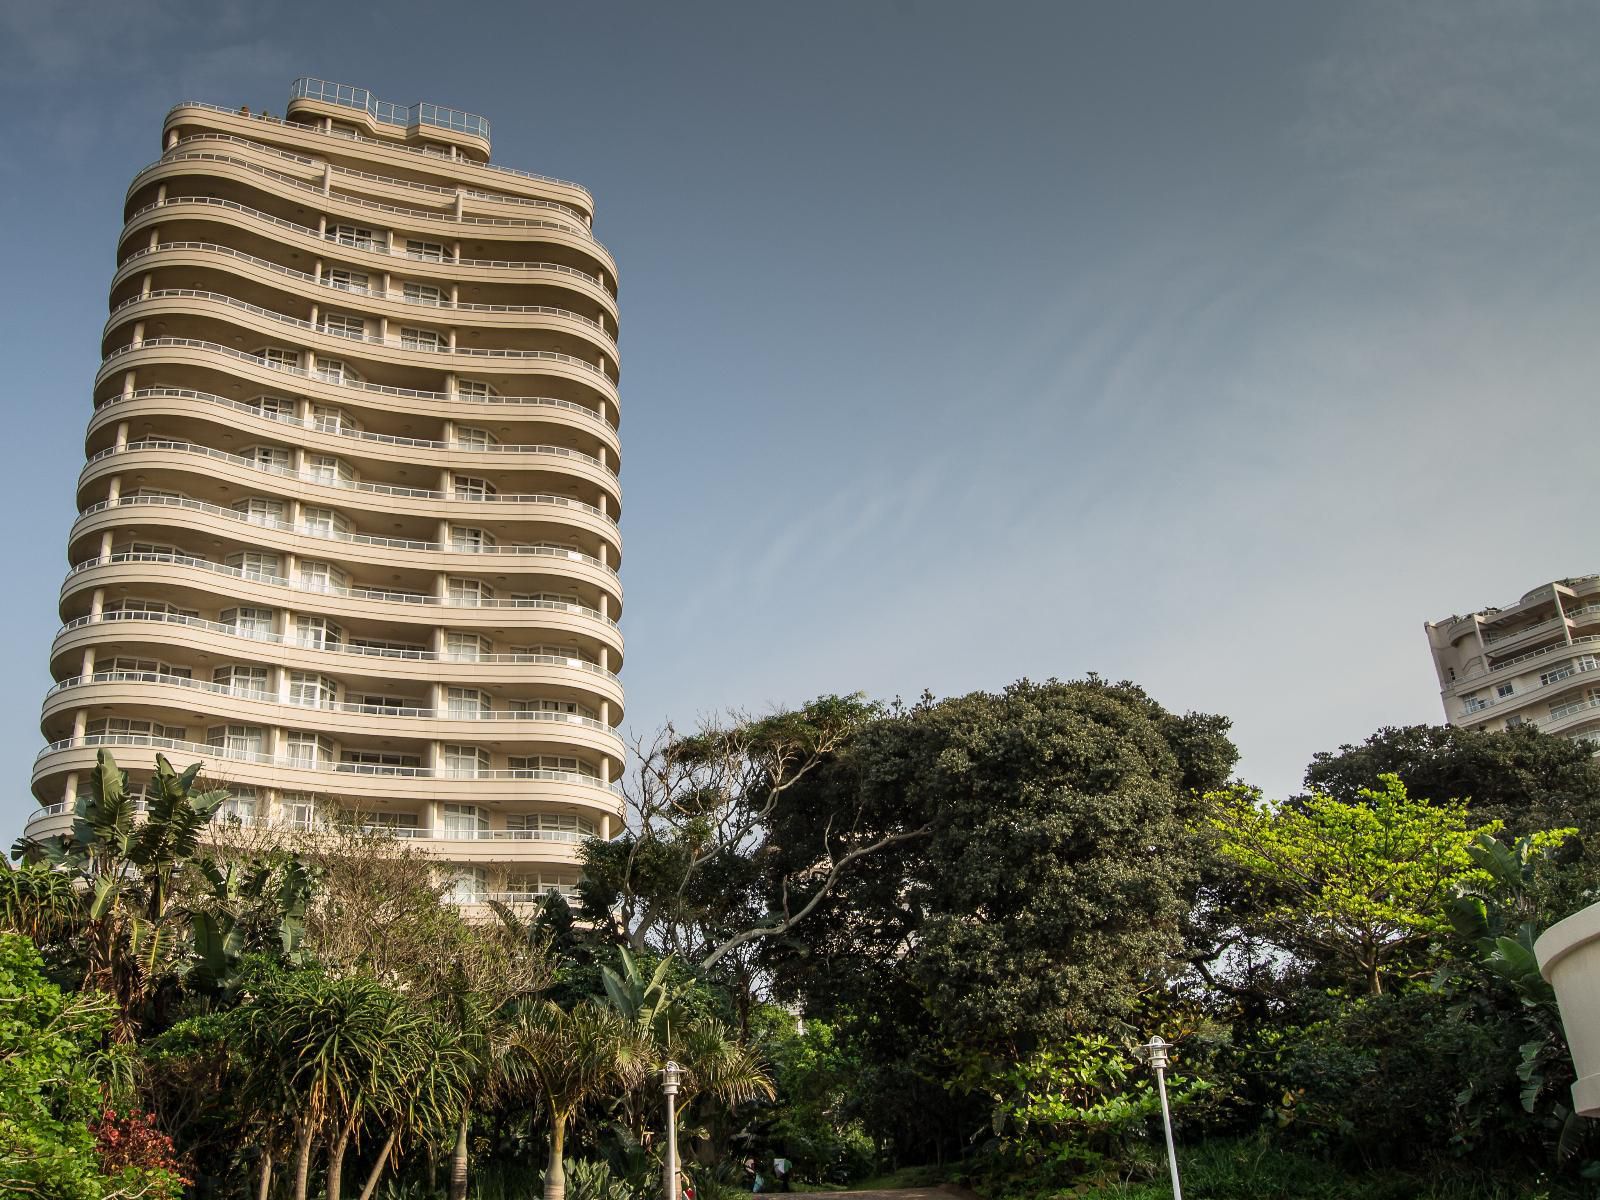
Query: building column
(128, 380)
(69, 790)
(97, 604)
(105, 546)
(114, 489)
(86, 668)
(138, 333)
(122, 435)
(80, 724)
(146, 285)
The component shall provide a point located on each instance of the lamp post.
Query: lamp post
(1156, 1055)
(671, 1074)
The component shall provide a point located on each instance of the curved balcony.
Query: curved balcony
(372, 255)
(147, 691)
(369, 181)
(183, 458)
(393, 352)
(409, 157)
(180, 163)
(513, 847)
(364, 549)
(176, 255)
(360, 443)
(496, 789)
(164, 570)
(196, 636)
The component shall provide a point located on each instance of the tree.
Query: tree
(1060, 858)
(51, 1092)
(689, 876)
(1525, 779)
(566, 1058)
(1363, 884)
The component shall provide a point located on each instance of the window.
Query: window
(549, 706)
(1472, 704)
(1566, 670)
(465, 539)
(135, 608)
(428, 251)
(249, 622)
(271, 458)
(125, 727)
(379, 762)
(551, 762)
(299, 811)
(242, 681)
(328, 468)
(347, 281)
(329, 418)
(558, 823)
(323, 522)
(312, 690)
(317, 632)
(469, 437)
(531, 885)
(307, 749)
(464, 762)
(470, 487)
(550, 651)
(240, 805)
(466, 703)
(237, 739)
(336, 370)
(420, 339)
(388, 703)
(464, 647)
(546, 597)
(256, 564)
(463, 820)
(359, 236)
(274, 408)
(468, 591)
(278, 358)
(423, 293)
(1503, 690)
(466, 885)
(158, 549)
(259, 510)
(318, 576)
(346, 325)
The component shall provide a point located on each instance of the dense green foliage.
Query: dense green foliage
(871, 936)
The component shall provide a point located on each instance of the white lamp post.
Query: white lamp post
(671, 1074)
(1156, 1055)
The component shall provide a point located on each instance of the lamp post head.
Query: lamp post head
(1156, 1054)
(671, 1076)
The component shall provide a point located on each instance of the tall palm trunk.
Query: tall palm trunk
(377, 1168)
(458, 1161)
(302, 1160)
(336, 1149)
(264, 1179)
(555, 1174)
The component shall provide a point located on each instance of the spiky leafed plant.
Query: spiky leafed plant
(568, 1058)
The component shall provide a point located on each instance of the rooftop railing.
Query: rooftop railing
(386, 112)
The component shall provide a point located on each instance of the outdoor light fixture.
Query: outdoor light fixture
(1156, 1054)
(671, 1075)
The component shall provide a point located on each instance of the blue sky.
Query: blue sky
(1211, 346)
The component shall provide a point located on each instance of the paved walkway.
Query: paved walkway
(898, 1194)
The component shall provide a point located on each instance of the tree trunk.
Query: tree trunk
(302, 1160)
(458, 1161)
(336, 1150)
(555, 1175)
(264, 1178)
(377, 1168)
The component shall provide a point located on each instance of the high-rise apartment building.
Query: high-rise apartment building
(1530, 663)
(347, 531)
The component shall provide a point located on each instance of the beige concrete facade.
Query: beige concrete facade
(347, 527)
(1530, 663)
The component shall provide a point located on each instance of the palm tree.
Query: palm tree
(568, 1058)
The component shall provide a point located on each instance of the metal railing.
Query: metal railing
(355, 137)
(343, 289)
(162, 679)
(510, 549)
(388, 113)
(391, 343)
(369, 246)
(207, 750)
(317, 426)
(1545, 625)
(358, 593)
(354, 485)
